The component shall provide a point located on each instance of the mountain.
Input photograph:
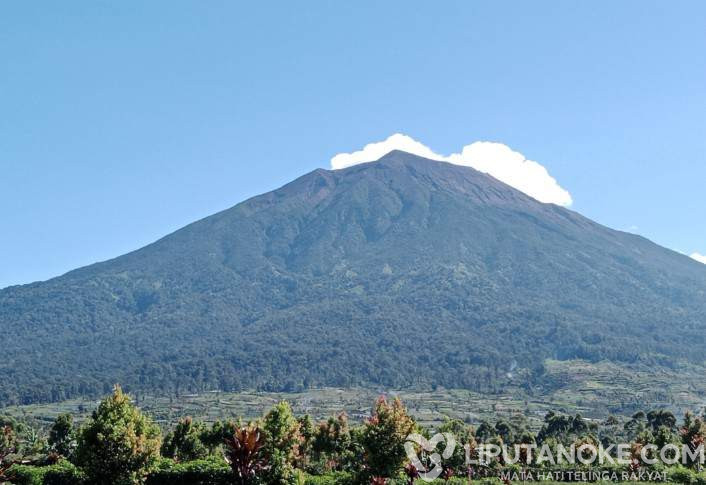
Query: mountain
(404, 272)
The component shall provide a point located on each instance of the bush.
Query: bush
(63, 473)
(679, 474)
(27, 475)
(211, 471)
(439, 481)
(333, 478)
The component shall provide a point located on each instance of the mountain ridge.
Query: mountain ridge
(334, 278)
(392, 155)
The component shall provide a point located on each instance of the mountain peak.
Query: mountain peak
(354, 271)
(401, 155)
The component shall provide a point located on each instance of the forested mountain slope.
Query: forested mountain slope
(401, 272)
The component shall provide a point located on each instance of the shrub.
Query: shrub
(63, 473)
(211, 471)
(333, 478)
(679, 474)
(26, 475)
(700, 479)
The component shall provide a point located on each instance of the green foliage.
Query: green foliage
(307, 432)
(214, 437)
(119, 444)
(565, 429)
(122, 443)
(333, 446)
(8, 446)
(282, 440)
(486, 431)
(61, 435)
(661, 418)
(383, 438)
(62, 473)
(212, 471)
(463, 434)
(185, 442)
(331, 478)
(636, 425)
(27, 475)
(680, 474)
(19, 441)
(332, 281)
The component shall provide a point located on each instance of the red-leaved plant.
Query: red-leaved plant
(243, 452)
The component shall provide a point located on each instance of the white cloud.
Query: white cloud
(375, 151)
(495, 159)
(699, 257)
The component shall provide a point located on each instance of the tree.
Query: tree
(383, 438)
(664, 436)
(119, 444)
(307, 432)
(333, 442)
(564, 429)
(184, 443)
(485, 431)
(244, 454)
(282, 441)
(586, 447)
(693, 434)
(661, 417)
(463, 434)
(219, 432)
(61, 435)
(636, 425)
(505, 431)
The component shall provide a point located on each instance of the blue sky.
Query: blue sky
(123, 121)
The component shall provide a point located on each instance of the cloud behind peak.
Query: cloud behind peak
(495, 159)
(699, 257)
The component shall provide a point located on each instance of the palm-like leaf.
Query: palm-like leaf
(244, 454)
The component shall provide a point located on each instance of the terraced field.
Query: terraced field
(594, 390)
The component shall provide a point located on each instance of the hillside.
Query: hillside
(403, 273)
